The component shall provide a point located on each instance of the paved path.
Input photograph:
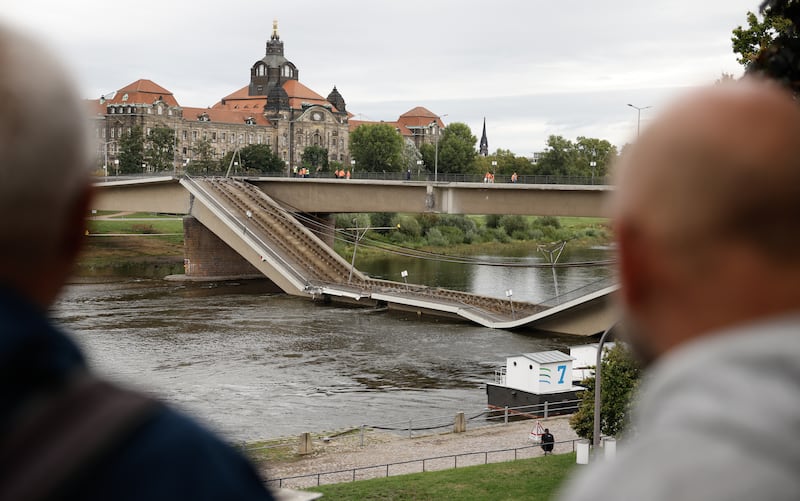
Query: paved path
(345, 453)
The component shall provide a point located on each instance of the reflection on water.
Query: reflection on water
(256, 365)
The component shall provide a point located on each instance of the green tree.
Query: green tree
(588, 150)
(558, 159)
(507, 164)
(254, 158)
(315, 157)
(131, 151)
(428, 154)
(203, 161)
(376, 148)
(751, 41)
(160, 149)
(457, 149)
(621, 374)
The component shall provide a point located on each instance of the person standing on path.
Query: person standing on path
(548, 440)
(67, 434)
(706, 217)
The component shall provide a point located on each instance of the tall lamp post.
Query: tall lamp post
(638, 116)
(435, 125)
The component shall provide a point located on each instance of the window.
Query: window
(224, 137)
(185, 135)
(194, 135)
(112, 133)
(214, 136)
(259, 138)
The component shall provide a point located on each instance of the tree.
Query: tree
(376, 148)
(160, 149)
(203, 161)
(410, 155)
(589, 150)
(131, 151)
(255, 158)
(750, 42)
(315, 157)
(457, 149)
(507, 163)
(620, 373)
(558, 159)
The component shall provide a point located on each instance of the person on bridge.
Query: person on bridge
(707, 222)
(67, 434)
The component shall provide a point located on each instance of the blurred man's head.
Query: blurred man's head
(43, 174)
(707, 215)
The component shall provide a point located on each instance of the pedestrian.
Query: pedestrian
(706, 217)
(486, 177)
(547, 441)
(514, 177)
(67, 433)
(408, 175)
(348, 174)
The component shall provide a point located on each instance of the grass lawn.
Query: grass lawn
(135, 227)
(536, 479)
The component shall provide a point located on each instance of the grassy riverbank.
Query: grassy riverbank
(132, 244)
(536, 479)
(151, 245)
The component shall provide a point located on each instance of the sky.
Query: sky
(531, 68)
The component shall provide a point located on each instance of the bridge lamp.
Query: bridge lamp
(419, 166)
(509, 294)
(116, 165)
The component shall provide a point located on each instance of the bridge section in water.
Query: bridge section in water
(285, 251)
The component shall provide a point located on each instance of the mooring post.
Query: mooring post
(362, 435)
(505, 415)
(304, 445)
(460, 425)
(546, 403)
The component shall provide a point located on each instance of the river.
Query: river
(257, 365)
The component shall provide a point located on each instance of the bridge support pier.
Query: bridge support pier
(207, 257)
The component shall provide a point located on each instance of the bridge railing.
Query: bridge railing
(400, 176)
(595, 286)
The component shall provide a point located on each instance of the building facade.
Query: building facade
(273, 109)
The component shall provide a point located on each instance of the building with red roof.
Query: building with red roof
(274, 108)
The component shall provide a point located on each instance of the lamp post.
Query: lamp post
(419, 167)
(105, 160)
(435, 126)
(638, 116)
(510, 293)
(598, 387)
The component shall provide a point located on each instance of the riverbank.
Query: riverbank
(345, 452)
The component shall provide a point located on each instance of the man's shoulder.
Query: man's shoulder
(172, 456)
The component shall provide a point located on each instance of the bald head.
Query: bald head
(713, 184)
(43, 174)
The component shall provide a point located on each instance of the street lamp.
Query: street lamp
(510, 293)
(638, 116)
(435, 126)
(419, 167)
(598, 383)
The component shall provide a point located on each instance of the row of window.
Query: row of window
(121, 110)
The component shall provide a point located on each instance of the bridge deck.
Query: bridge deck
(301, 264)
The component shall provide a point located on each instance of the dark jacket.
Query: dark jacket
(165, 455)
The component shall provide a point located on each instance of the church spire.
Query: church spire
(275, 35)
(484, 147)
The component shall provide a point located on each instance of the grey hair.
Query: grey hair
(43, 147)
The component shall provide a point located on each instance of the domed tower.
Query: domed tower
(337, 100)
(273, 69)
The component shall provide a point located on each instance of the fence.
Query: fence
(394, 176)
(414, 466)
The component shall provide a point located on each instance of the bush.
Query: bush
(452, 234)
(435, 237)
(513, 224)
(409, 226)
(492, 220)
(546, 221)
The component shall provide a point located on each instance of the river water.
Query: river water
(255, 365)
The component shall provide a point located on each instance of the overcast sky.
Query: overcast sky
(533, 68)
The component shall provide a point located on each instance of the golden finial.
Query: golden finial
(274, 28)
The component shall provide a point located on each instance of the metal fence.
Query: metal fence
(434, 463)
(395, 176)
